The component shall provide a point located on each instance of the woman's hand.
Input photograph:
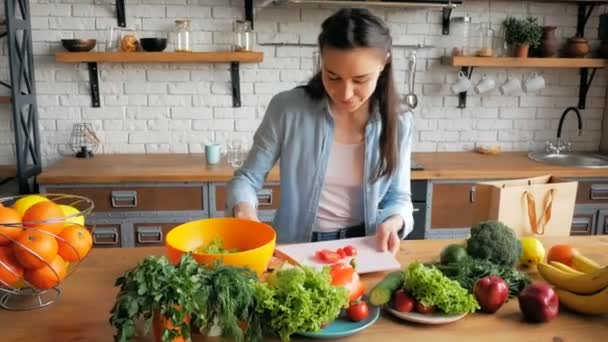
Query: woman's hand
(387, 236)
(244, 210)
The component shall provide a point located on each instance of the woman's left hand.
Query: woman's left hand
(387, 236)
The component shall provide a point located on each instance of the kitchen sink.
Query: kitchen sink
(577, 159)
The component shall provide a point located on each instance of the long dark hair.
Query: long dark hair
(351, 28)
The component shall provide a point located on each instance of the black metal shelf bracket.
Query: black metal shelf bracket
(120, 13)
(249, 11)
(583, 16)
(462, 97)
(94, 84)
(584, 86)
(236, 84)
(445, 20)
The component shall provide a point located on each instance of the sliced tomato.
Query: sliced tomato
(327, 256)
(350, 250)
(341, 253)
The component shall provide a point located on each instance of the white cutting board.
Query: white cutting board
(368, 258)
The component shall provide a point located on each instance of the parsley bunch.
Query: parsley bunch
(219, 293)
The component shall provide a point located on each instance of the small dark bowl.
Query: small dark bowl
(78, 45)
(153, 44)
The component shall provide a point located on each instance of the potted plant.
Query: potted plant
(521, 34)
(175, 298)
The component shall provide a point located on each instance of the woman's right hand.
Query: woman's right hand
(246, 211)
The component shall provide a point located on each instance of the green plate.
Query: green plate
(342, 327)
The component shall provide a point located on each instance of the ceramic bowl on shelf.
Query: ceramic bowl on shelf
(254, 242)
(78, 45)
(153, 44)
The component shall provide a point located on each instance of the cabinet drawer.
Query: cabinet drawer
(602, 223)
(583, 224)
(139, 198)
(107, 235)
(452, 205)
(269, 197)
(592, 192)
(152, 234)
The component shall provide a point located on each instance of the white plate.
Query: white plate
(433, 318)
(368, 258)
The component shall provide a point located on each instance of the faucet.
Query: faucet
(561, 121)
(559, 145)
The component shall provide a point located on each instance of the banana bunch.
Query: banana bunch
(584, 289)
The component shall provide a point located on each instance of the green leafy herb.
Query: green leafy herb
(219, 293)
(299, 299)
(469, 270)
(431, 287)
(216, 246)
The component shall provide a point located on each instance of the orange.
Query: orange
(10, 270)
(48, 276)
(38, 215)
(561, 253)
(75, 242)
(25, 202)
(9, 233)
(34, 249)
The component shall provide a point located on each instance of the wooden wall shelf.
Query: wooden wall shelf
(512, 62)
(5, 99)
(159, 57)
(92, 58)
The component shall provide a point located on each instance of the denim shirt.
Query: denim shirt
(298, 132)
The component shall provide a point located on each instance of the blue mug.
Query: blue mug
(212, 153)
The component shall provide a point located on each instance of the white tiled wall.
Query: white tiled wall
(151, 108)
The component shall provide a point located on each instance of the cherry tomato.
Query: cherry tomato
(341, 253)
(357, 311)
(424, 309)
(350, 250)
(403, 302)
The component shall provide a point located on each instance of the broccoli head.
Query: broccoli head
(494, 241)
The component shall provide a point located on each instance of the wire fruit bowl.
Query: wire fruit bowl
(43, 239)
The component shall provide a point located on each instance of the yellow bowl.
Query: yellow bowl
(255, 240)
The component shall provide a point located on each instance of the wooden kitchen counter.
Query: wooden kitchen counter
(129, 168)
(82, 311)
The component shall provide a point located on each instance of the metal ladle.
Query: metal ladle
(411, 100)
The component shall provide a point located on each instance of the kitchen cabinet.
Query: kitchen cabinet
(141, 214)
(591, 211)
(138, 214)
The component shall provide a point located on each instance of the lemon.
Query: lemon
(69, 211)
(533, 251)
(25, 202)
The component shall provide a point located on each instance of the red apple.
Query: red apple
(491, 293)
(538, 303)
(403, 302)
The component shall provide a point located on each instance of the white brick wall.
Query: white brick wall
(160, 108)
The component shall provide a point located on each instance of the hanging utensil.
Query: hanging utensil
(410, 98)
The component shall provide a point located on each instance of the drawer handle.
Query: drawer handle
(472, 194)
(581, 222)
(416, 210)
(149, 235)
(105, 236)
(599, 191)
(265, 197)
(124, 199)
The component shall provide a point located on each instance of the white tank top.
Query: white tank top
(341, 200)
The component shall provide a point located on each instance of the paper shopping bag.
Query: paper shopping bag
(532, 206)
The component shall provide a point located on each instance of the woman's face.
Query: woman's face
(350, 76)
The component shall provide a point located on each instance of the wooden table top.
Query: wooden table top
(7, 171)
(129, 168)
(82, 311)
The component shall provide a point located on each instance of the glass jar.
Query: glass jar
(243, 36)
(182, 36)
(461, 31)
(485, 47)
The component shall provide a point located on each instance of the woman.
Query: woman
(344, 150)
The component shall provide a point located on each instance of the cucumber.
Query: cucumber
(383, 291)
